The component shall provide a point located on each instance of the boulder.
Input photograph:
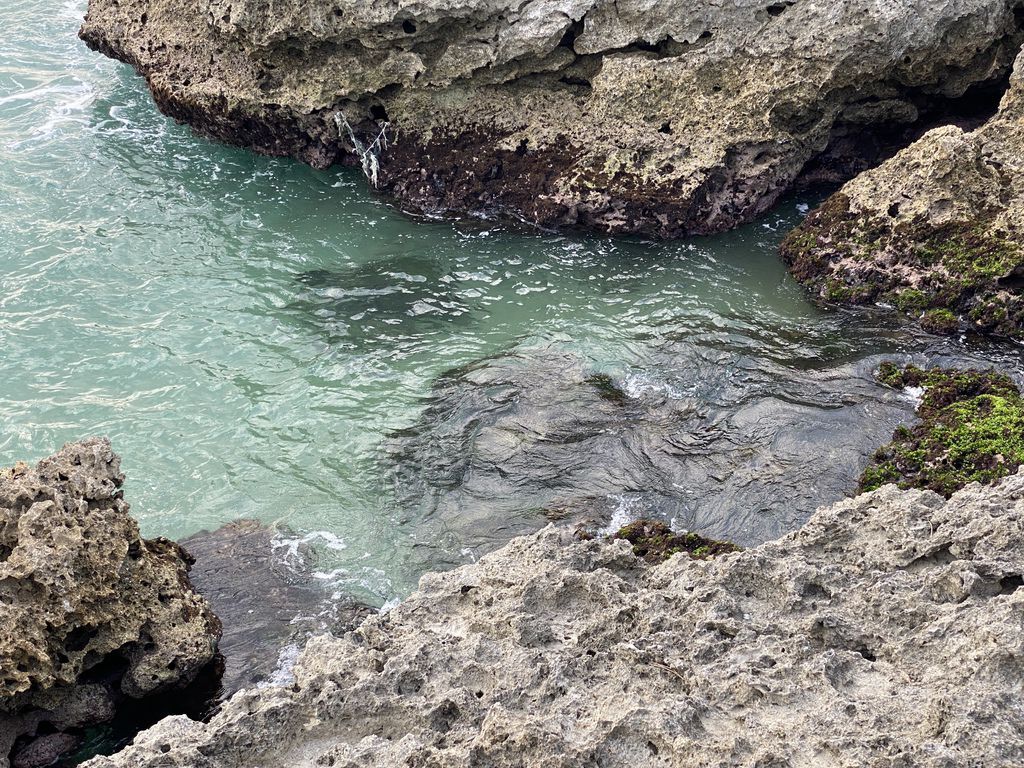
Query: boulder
(89, 610)
(937, 231)
(662, 118)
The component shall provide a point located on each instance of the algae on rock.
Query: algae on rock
(656, 542)
(971, 430)
(937, 231)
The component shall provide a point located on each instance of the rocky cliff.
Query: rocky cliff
(886, 632)
(937, 231)
(664, 118)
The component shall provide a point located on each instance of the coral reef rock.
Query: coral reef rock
(937, 231)
(970, 429)
(661, 118)
(84, 599)
(886, 632)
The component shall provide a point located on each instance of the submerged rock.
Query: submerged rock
(887, 631)
(258, 579)
(89, 611)
(937, 231)
(730, 445)
(971, 430)
(665, 119)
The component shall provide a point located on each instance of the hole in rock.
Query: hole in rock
(941, 556)
(777, 9)
(408, 26)
(1010, 584)
(571, 33)
(855, 146)
(378, 112)
(79, 637)
(867, 653)
(1013, 281)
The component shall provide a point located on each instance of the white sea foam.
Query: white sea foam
(293, 544)
(284, 673)
(629, 507)
(637, 385)
(916, 394)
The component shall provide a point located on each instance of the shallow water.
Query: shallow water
(249, 331)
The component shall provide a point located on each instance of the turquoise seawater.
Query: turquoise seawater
(247, 330)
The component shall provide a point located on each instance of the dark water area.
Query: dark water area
(735, 432)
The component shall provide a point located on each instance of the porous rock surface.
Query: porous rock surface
(664, 118)
(888, 631)
(79, 588)
(937, 231)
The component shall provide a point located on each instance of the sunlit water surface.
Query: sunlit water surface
(248, 331)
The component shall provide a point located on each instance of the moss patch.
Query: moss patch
(607, 388)
(971, 430)
(655, 542)
(940, 321)
(933, 273)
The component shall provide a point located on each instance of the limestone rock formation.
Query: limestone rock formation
(886, 632)
(80, 590)
(937, 231)
(629, 116)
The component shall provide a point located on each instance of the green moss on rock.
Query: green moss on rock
(940, 321)
(932, 273)
(971, 430)
(607, 388)
(911, 300)
(655, 542)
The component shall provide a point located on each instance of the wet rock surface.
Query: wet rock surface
(259, 581)
(621, 117)
(90, 613)
(726, 444)
(887, 631)
(937, 231)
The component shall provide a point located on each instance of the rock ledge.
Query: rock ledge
(886, 632)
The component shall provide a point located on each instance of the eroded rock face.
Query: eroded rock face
(886, 632)
(661, 118)
(80, 590)
(937, 231)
